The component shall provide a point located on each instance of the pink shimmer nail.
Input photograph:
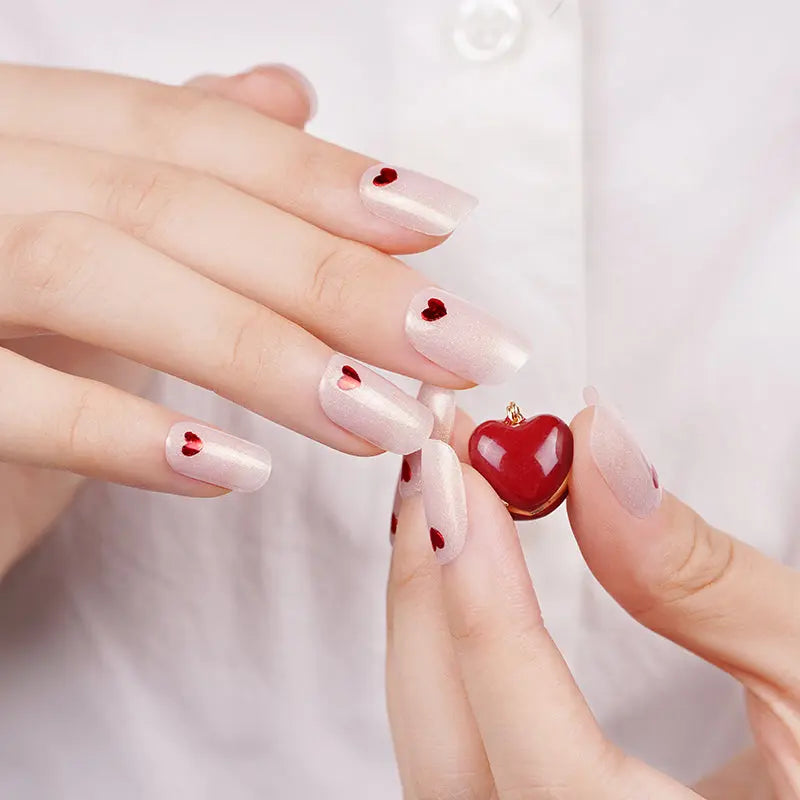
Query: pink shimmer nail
(413, 200)
(626, 470)
(360, 400)
(212, 456)
(462, 338)
(444, 499)
(442, 403)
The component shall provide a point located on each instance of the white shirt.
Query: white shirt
(159, 647)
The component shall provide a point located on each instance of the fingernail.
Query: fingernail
(626, 470)
(360, 400)
(302, 82)
(444, 499)
(212, 456)
(413, 200)
(442, 403)
(462, 338)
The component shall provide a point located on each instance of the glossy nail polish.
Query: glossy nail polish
(462, 338)
(442, 403)
(444, 499)
(211, 456)
(360, 400)
(413, 200)
(626, 470)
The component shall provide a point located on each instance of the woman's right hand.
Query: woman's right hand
(178, 230)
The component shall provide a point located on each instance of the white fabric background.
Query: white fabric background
(159, 647)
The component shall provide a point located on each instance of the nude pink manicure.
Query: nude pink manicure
(445, 500)
(413, 200)
(360, 400)
(619, 459)
(211, 456)
(463, 338)
(442, 403)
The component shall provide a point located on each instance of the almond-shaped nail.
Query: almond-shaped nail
(463, 338)
(442, 403)
(445, 500)
(413, 200)
(366, 404)
(626, 470)
(211, 456)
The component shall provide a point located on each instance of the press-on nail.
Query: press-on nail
(360, 400)
(462, 338)
(444, 499)
(442, 403)
(625, 468)
(212, 456)
(413, 200)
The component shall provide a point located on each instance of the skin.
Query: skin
(194, 230)
(481, 702)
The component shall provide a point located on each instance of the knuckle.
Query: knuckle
(43, 256)
(83, 425)
(409, 577)
(707, 561)
(163, 114)
(478, 628)
(139, 198)
(337, 275)
(246, 358)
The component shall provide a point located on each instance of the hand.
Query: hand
(173, 229)
(481, 702)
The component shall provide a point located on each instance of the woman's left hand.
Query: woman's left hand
(482, 704)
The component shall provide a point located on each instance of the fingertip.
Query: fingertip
(486, 511)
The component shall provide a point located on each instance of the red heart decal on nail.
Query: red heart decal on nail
(349, 379)
(386, 176)
(194, 444)
(436, 310)
(393, 526)
(437, 540)
(405, 472)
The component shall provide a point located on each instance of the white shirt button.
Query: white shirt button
(486, 30)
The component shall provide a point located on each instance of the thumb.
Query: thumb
(275, 90)
(670, 569)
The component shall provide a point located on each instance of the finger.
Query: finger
(55, 272)
(439, 750)
(442, 404)
(275, 90)
(673, 571)
(64, 422)
(538, 732)
(357, 300)
(393, 209)
(743, 778)
(462, 430)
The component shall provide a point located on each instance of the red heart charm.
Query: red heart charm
(386, 176)
(526, 461)
(194, 444)
(437, 540)
(436, 310)
(349, 379)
